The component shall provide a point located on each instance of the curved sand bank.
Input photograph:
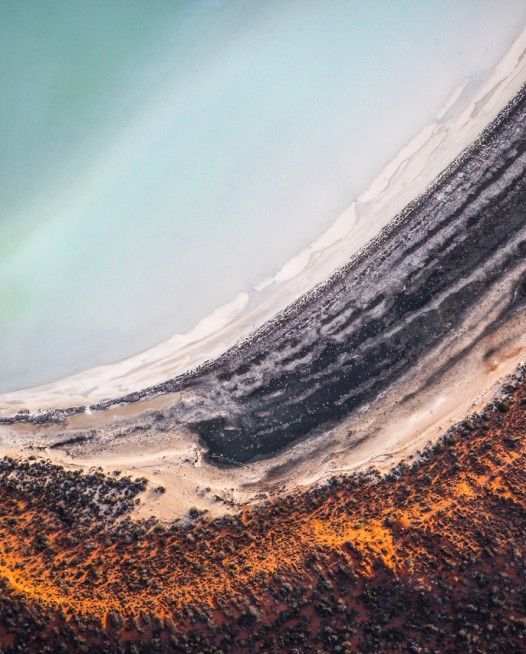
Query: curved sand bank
(470, 108)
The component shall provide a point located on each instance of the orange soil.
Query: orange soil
(320, 557)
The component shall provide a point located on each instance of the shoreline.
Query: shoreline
(433, 150)
(391, 432)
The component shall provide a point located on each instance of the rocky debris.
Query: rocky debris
(52, 416)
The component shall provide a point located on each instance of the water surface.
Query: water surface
(158, 158)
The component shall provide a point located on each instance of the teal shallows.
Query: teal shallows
(156, 158)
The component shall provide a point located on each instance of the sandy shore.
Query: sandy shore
(399, 424)
(469, 109)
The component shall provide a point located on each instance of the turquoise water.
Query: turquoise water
(157, 158)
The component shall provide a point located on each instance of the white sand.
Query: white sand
(468, 110)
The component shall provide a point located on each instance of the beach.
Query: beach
(379, 437)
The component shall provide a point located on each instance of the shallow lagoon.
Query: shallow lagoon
(157, 162)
